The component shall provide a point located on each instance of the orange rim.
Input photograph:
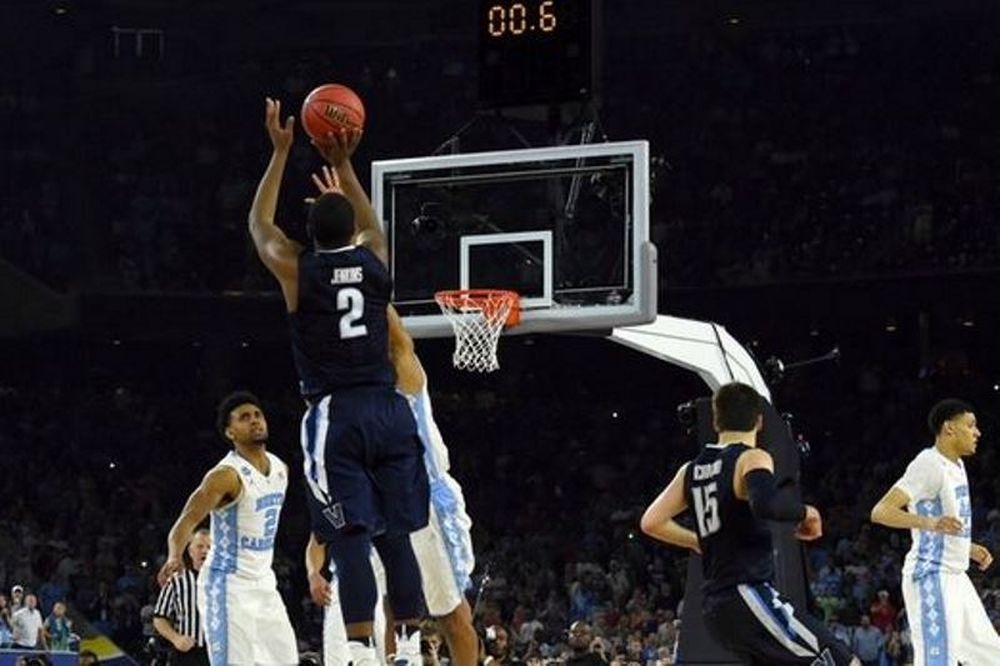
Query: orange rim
(488, 301)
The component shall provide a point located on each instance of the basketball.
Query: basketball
(331, 108)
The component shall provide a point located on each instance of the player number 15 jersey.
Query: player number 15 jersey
(736, 547)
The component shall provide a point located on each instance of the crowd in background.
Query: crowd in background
(828, 151)
(780, 155)
(102, 457)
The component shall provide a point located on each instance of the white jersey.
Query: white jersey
(444, 545)
(435, 452)
(937, 487)
(243, 531)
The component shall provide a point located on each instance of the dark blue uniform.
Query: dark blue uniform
(742, 610)
(340, 333)
(363, 457)
(735, 546)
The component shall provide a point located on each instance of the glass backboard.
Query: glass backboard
(565, 227)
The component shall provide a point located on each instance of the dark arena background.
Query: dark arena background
(824, 183)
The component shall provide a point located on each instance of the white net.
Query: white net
(477, 316)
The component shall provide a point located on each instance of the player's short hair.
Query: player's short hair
(228, 404)
(944, 411)
(330, 222)
(736, 406)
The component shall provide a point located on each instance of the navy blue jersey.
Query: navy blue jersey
(735, 546)
(340, 332)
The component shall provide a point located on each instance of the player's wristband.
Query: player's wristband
(768, 502)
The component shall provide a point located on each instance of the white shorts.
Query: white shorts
(444, 548)
(444, 555)
(245, 620)
(335, 650)
(948, 623)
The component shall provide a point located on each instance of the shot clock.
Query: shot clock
(535, 51)
(516, 19)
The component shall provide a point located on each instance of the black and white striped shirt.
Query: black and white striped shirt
(178, 602)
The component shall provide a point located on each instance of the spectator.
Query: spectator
(497, 647)
(902, 640)
(6, 637)
(581, 646)
(88, 658)
(883, 612)
(430, 645)
(894, 648)
(839, 629)
(101, 609)
(868, 642)
(633, 649)
(16, 598)
(26, 625)
(530, 627)
(58, 628)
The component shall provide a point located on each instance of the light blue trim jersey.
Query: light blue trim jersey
(937, 487)
(446, 498)
(243, 531)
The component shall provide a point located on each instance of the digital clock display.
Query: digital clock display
(517, 19)
(535, 51)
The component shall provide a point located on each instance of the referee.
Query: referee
(176, 615)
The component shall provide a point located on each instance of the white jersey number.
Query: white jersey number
(352, 300)
(706, 509)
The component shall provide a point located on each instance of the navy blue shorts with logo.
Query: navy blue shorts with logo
(363, 464)
(757, 624)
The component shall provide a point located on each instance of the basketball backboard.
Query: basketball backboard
(566, 227)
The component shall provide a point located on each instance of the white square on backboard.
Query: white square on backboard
(543, 237)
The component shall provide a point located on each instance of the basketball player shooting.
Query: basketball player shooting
(948, 623)
(443, 548)
(732, 489)
(363, 457)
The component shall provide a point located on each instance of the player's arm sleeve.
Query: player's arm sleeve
(921, 480)
(768, 502)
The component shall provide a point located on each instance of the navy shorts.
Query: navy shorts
(364, 464)
(760, 626)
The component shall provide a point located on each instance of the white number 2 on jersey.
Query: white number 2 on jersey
(706, 509)
(352, 300)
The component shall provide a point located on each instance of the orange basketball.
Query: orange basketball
(331, 108)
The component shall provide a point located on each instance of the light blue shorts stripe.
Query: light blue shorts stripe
(217, 618)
